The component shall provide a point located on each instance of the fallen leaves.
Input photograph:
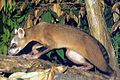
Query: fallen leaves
(116, 16)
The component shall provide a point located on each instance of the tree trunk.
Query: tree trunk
(98, 29)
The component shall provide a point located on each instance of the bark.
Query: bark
(98, 29)
(11, 64)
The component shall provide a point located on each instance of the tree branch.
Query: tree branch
(11, 64)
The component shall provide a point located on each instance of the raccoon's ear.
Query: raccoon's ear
(16, 31)
(21, 33)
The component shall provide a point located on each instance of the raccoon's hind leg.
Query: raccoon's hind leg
(78, 59)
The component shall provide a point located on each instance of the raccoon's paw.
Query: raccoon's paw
(28, 56)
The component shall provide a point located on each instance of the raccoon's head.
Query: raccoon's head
(18, 42)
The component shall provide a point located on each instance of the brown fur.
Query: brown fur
(63, 36)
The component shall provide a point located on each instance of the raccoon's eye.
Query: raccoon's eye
(13, 45)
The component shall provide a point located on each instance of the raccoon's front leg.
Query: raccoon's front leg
(34, 50)
(78, 59)
(36, 56)
(37, 48)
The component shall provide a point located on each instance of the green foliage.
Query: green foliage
(80, 1)
(49, 54)
(116, 44)
(47, 17)
(116, 38)
(76, 12)
(60, 53)
(7, 31)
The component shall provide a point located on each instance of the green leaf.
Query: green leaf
(8, 33)
(1, 47)
(15, 26)
(47, 17)
(60, 53)
(4, 17)
(76, 12)
(61, 20)
(4, 30)
(12, 33)
(0, 50)
(17, 15)
(30, 53)
(12, 25)
(48, 54)
(10, 8)
(9, 22)
(7, 4)
(68, 11)
(80, 1)
(3, 35)
(4, 38)
(21, 19)
(56, 59)
(5, 50)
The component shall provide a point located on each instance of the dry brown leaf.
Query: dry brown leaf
(116, 5)
(29, 76)
(52, 20)
(40, 74)
(75, 18)
(35, 21)
(29, 21)
(51, 75)
(2, 4)
(36, 12)
(51, 1)
(36, 16)
(82, 11)
(116, 11)
(10, 2)
(115, 15)
(46, 1)
(59, 69)
(79, 20)
(71, 14)
(64, 19)
(23, 6)
(67, 17)
(3, 78)
(39, 19)
(115, 27)
(33, 1)
(56, 8)
(37, 1)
